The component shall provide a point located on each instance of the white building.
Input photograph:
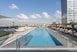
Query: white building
(69, 11)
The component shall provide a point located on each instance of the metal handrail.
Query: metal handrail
(17, 44)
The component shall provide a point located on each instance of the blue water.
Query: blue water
(41, 38)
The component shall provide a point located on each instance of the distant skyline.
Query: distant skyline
(41, 11)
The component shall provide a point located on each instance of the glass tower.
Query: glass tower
(69, 11)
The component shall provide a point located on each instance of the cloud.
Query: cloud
(38, 15)
(33, 16)
(58, 13)
(22, 16)
(57, 16)
(46, 15)
(13, 6)
(43, 15)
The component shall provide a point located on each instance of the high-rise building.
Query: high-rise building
(69, 11)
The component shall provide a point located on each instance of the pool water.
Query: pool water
(41, 38)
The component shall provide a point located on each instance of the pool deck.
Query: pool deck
(15, 36)
(66, 39)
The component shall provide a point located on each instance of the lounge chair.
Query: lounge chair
(75, 34)
(70, 31)
(61, 29)
(66, 31)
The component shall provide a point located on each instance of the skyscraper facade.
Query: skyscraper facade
(69, 11)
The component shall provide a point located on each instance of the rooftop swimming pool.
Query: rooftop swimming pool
(37, 37)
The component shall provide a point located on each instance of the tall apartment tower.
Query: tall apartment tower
(69, 11)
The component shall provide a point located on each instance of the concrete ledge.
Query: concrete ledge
(71, 49)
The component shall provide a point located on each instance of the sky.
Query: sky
(37, 11)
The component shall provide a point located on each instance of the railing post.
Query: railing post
(72, 29)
